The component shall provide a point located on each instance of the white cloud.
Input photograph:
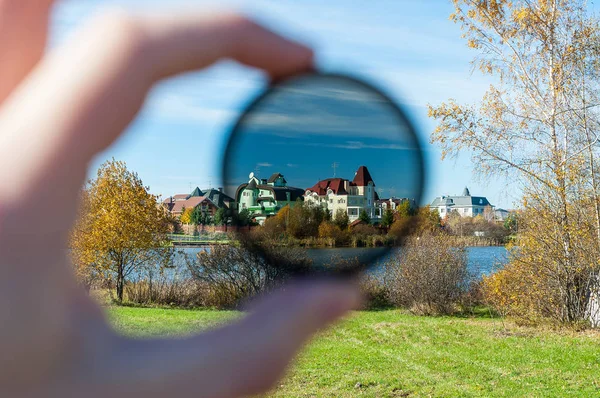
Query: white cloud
(362, 145)
(183, 108)
(318, 123)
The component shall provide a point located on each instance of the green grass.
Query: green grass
(392, 354)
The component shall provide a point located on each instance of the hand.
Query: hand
(56, 113)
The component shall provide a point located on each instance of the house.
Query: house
(465, 205)
(501, 214)
(350, 196)
(263, 198)
(210, 201)
(392, 203)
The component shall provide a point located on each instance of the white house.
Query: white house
(501, 214)
(350, 196)
(465, 205)
(393, 203)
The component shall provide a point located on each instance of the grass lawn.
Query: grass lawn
(392, 354)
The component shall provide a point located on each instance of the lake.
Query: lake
(481, 260)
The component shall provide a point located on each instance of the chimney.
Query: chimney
(221, 189)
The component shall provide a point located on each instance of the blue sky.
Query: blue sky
(306, 126)
(407, 48)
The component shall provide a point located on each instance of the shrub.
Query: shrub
(234, 274)
(428, 276)
(543, 281)
(273, 228)
(341, 219)
(333, 234)
(364, 230)
(328, 229)
(180, 293)
(375, 293)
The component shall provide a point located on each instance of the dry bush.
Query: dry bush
(363, 230)
(428, 276)
(273, 228)
(375, 292)
(177, 293)
(544, 282)
(234, 274)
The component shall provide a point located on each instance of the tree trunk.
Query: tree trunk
(120, 283)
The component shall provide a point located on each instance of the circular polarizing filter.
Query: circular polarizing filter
(325, 172)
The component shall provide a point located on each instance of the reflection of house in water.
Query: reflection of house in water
(264, 198)
(349, 196)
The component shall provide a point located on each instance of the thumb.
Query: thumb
(281, 324)
(241, 359)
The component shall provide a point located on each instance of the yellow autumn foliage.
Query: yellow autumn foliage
(121, 227)
(537, 125)
(186, 216)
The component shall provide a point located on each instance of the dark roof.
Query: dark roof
(363, 177)
(218, 198)
(275, 176)
(281, 192)
(251, 185)
(197, 192)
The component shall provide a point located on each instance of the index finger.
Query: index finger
(23, 31)
(86, 93)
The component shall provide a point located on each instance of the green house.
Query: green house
(264, 198)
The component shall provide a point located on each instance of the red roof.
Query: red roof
(188, 204)
(335, 184)
(355, 223)
(181, 196)
(362, 177)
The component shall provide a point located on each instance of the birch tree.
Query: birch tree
(537, 125)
